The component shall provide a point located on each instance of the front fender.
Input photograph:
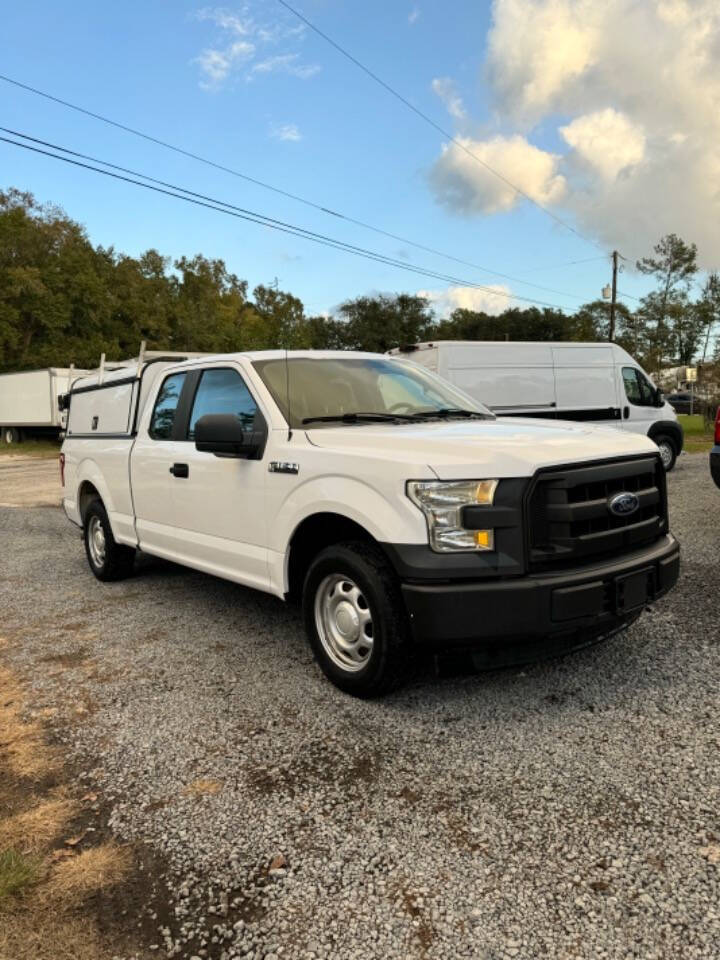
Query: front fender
(394, 520)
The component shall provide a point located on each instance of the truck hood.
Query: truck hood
(506, 447)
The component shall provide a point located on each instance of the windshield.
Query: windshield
(327, 391)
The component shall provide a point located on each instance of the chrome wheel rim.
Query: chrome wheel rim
(344, 622)
(666, 454)
(96, 541)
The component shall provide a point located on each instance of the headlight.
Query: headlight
(443, 503)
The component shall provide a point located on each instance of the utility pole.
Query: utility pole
(613, 300)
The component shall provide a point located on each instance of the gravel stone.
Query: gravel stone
(566, 809)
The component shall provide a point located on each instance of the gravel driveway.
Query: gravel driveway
(568, 810)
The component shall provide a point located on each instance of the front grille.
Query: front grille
(569, 519)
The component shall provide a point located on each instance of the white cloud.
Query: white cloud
(242, 45)
(469, 187)
(445, 89)
(286, 131)
(445, 301)
(286, 63)
(226, 20)
(633, 91)
(537, 48)
(414, 15)
(606, 141)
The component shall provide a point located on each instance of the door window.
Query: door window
(223, 391)
(638, 388)
(163, 418)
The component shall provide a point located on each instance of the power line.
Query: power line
(436, 126)
(567, 263)
(219, 206)
(278, 190)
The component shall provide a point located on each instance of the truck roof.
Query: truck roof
(128, 369)
(290, 354)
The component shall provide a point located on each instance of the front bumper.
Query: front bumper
(573, 607)
(715, 464)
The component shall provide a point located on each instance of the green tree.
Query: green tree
(513, 324)
(674, 265)
(708, 312)
(381, 322)
(275, 320)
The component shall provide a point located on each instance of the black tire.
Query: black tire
(365, 566)
(10, 435)
(667, 451)
(117, 560)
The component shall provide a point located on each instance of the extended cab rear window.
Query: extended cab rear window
(163, 417)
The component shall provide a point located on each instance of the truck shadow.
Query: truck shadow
(621, 665)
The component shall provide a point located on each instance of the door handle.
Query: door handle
(180, 470)
(626, 412)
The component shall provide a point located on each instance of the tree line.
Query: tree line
(63, 300)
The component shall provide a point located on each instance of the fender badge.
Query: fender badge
(283, 466)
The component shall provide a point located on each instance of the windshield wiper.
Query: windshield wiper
(360, 418)
(447, 412)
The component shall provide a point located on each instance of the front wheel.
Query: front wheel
(355, 619)
(667, 451)
(108, 559)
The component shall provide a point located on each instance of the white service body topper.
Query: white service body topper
(402, 513)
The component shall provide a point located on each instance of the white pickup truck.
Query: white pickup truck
(397, 509)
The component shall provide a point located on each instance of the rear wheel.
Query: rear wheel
(108, 559)
(10, 435)
(667, 451)
(355, 619)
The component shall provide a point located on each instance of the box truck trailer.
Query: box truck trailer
(29, 402)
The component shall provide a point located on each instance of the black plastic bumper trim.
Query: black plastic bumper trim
(470, 613)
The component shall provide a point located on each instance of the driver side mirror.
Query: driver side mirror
(659, 398)
(223, 434)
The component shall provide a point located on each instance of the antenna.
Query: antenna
(287, 394)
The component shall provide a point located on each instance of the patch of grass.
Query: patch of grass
(698, 437)
(64, 889)
(79, 877)
(17, 873)
(31, 448)
(694, 426)
(37, 826)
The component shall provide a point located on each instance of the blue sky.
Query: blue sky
(242, 85)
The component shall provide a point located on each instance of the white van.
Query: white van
(597, 382)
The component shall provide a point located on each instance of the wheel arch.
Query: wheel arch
(90, 485)
(310, 536)
(87, 492)
(670, 429)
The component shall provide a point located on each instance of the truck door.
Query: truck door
(639, 400)
(218, 502)
(157, 447)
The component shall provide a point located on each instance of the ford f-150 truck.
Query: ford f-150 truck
(399, 511)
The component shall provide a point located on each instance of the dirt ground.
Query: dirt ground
(29, 482)
(65, 885)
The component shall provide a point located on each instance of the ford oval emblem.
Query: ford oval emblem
(623, 504)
